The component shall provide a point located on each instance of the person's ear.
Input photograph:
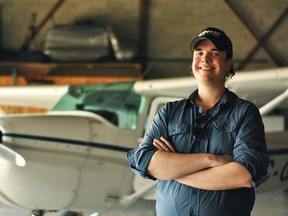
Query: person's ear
(229, 64)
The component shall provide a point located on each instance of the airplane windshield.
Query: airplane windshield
(116, 102)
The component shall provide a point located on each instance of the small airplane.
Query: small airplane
(73, 158)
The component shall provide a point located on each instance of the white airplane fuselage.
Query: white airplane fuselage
(74, 160)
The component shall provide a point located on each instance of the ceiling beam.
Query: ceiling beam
(260, 40)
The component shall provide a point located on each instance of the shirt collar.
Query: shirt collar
(228, 97)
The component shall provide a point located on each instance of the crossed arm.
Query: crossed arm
(201, 170)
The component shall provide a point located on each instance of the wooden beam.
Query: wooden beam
(260, 40)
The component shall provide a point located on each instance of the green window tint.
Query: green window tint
(116, 102)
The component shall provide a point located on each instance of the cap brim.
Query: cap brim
(196, 41)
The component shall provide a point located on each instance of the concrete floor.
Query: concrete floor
(272, 203)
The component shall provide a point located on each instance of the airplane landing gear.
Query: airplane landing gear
(71, 213)
(37, 212)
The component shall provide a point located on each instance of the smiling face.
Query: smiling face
(209, 64)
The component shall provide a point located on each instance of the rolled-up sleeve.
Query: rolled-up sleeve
(139, 158)
(250, 146)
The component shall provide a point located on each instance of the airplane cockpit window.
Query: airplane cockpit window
(116, 102)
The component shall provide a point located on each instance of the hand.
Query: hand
(163, 144)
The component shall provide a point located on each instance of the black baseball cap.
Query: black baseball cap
(220, 40)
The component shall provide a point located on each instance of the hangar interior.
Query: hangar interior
(148, 39)
(151, 38)
(157, 32)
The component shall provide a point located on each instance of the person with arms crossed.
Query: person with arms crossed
(207, 151)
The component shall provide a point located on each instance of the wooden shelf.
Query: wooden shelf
(68, 73)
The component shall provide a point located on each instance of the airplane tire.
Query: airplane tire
(71, 213)
(38, 213)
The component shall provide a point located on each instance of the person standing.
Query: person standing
(207, 151)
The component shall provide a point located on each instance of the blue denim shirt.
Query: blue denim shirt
(233, 126)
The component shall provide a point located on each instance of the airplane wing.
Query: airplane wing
(258, 86)
(263, 86)
(32, 96)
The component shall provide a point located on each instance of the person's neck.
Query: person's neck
(208, 97)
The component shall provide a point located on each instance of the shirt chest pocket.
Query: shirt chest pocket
(222, 137)
(180, 134)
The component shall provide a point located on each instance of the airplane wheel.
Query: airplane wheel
(38, 212)
(71, 213)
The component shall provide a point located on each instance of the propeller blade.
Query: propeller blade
(12, 156)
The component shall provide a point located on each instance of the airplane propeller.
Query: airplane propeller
(12, 156)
